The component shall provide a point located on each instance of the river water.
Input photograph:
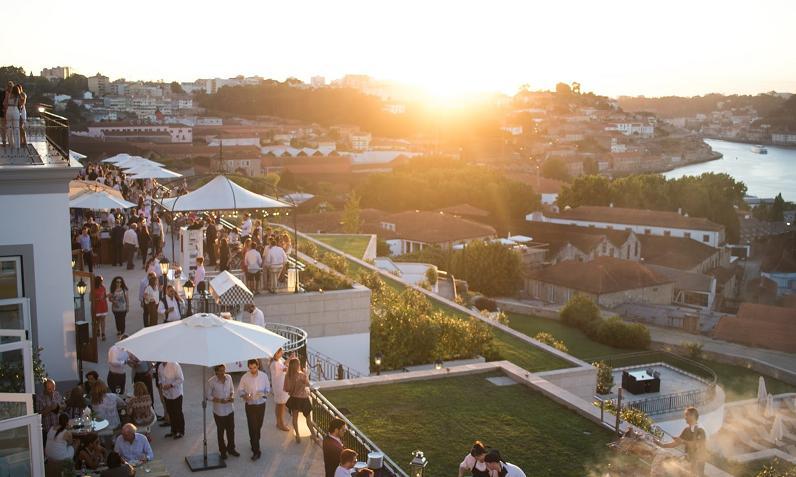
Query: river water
(765, 175)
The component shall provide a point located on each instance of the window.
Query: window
(647, 231)
(635, 249)
(687, 235)
(706, 238)
(11, 277)
(667, 233)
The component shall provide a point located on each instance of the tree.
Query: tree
(176, 88)
(75, 85)
(563, 88)
(580, 312)
(555, 169)
(352, 219)
(490, 268)
(778, 209)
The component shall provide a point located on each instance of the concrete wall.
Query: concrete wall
(331, 313)
(658, 295)
(582, 382)
(352, 350)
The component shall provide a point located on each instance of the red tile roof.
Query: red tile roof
(622, 215)
(759, 325)
(674, 252)
(599, 276)
(464, 210)
(433, 227)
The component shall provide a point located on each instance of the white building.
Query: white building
(514, 130)
(640, 221)
(121, 130)
(633, 129)
(318, 81)
(360, 141)
(783, 138)
(209, 121)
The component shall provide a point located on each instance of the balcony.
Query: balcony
(47, 143)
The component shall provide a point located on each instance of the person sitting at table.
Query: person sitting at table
(91, 378)
(91, 454)
(348, 458)
(59, 441)
(75, 403)
(133, 446)
(106, 404)
(117, 467)
(139, 407)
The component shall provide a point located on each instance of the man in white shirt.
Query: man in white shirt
(118, 359)
(149, 299)
(170, 307)
(276, 261)
(253, 388)
(246, 227)
(171, 379)
(133, 446)
(348, 458)
(253, 263)
(130, 243)
(221, 391)
(494, 462)
(253, 315)
(199, 275)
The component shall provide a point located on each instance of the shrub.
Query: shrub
(496, 316)
(615, 332)
(634, 416)
(315, 279)
(335, 261)
(551, 340)
(484, 303)
(580, 312)
(432, 276)
(777, 468)
(382, 248)
(308, 248)
(693, 349)
(605, 377)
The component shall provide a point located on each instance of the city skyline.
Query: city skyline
(445, 49)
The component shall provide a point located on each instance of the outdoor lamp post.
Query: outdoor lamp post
(377, 361)
(187, 287)
(417, 467)
(438, 364)
(164, 270)
(81, 288)
(73, 263)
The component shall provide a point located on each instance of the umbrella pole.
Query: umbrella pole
(204, 462)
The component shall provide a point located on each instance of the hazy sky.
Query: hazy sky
(610, 47)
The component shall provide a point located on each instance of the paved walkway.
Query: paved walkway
(282, 456)
(786, 361)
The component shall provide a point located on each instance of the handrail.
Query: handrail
(324, 411)
(330, 368)
(56, 131)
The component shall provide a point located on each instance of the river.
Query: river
(765, 175)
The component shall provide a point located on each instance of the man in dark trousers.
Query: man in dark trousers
(210, 240)
(693, 438)
(117, 236)
(333, 446)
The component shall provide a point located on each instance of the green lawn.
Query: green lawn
(442, 417)
(738, 382)
(354, 245)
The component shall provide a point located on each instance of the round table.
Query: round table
(95, 426)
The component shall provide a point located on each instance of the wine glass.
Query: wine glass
(145, 464)
(118, 390)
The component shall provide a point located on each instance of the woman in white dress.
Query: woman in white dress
(13, 117)
(278, 369)
(59, 441)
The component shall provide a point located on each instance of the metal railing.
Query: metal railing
(322, 367)
(671, 402)
(56, 130)
(324, 411)
(297, 338)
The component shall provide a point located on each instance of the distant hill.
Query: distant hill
(782, 119)
(679, 106)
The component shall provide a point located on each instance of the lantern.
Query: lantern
(81, 287)
(417, 467)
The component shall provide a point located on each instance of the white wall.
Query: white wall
(43, 221)
(351, 350)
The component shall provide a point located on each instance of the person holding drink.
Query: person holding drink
(253, 388)
(220, 391)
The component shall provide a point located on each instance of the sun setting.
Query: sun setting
(350, 238)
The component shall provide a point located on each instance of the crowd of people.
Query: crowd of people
(13, 116)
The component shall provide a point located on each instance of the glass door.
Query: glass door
(21, 448)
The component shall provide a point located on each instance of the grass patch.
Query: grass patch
(444, 416)
(738, 382)
(354, 245)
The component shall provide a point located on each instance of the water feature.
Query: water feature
(765, 175)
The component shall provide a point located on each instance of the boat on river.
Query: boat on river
(758, 149)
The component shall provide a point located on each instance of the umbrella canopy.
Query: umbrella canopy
(761, 391)
(227, 289)
(151, 172)
(99, 200)
(117, 158)
(78, 188)
(205, 340)
(769, 410)
(221, 194)
(777, 432)
(135, 162)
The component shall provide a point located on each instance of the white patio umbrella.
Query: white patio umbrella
(206, 340)
(769, 410)
(136, 161)
(221, 194)
(99, 200)
(151, 172)
(761, 391)
(777, 429)
(117, 158)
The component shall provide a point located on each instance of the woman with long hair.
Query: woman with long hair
(12, 101)
(59, 441)
(277, 368)
(100, 297)
(23, 115)
(92, 454)
(75, 403)
(473, 463)
(106, 404)
(120, 304)
(297, 385)
(139, 407)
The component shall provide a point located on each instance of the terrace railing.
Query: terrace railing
(324, 411)
(56, 131)
(663, 404)
(322, 367)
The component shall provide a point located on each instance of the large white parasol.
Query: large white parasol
(151, 172)
(221, 194)
(206, 340)
(99, 200)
